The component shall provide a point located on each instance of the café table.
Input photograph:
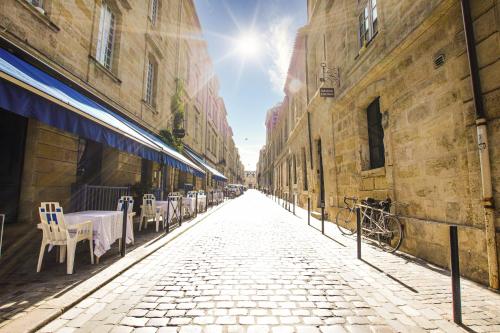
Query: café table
(106, 225)
(190, 204)
(173, 210)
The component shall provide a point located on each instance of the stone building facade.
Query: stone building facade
(128, 56)
(402, 123)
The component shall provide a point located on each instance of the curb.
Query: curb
(55, 307)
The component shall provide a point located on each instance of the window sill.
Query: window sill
(150, 107)
(42, 17)
(105, 70)
(373, 172)
(363, 49)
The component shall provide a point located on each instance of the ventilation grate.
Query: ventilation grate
(439, 60)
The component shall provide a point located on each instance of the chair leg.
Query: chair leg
(91, 251)
(140, 222)
(62, 253)
(71, 246)
(40, 256)
(132, 229)
(157, 220)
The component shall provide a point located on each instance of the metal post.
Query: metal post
(358, 229)
(206, 201)
(308, 211)
(455, 275)
(180, 211)
(294, 204)
(167, 229)
(323, 218)
(124, 227)
(196, 205)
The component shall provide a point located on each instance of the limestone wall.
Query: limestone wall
(431, 160)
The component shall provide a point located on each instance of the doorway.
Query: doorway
(321, 177)
(90, 163)
(12, 144)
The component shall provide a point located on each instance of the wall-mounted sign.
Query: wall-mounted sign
(327, 92)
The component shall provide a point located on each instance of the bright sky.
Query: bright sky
(250, 43)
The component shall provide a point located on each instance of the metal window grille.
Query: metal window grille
(150, 83)
(106, 37)
(154, 11)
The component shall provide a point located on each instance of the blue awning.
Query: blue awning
(216, 175)
(30, 92)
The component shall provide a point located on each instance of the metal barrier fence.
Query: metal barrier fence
(94, 197)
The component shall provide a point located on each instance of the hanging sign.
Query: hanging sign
(327, 92)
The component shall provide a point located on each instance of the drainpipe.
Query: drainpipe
(482, 140)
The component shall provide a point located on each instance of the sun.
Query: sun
(248, 45)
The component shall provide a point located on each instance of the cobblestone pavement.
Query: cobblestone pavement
(253, 267)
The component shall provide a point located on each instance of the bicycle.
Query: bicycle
(376, 222)
(346, 217)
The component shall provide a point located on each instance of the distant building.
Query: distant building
(250, 179)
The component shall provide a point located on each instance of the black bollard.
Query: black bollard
(359, 231)
(308, 211)
(323, 218)
(455, 275)
(167, 228)
(124, 228)
(196, 206)
(180, 211)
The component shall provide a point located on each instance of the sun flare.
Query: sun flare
(248, 45)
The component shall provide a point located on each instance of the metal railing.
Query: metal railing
(95, 197)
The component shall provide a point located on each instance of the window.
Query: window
(106, 37)
(294, 160)
(375, 135)
(154, 11)
(36, 3)
(304, 169)
(368, 22)
(197, 128)
(150, 83)
(186, 112)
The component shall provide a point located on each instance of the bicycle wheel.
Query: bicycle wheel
(390, 239)
(346, 221)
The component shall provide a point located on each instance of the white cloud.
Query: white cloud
(280, 44)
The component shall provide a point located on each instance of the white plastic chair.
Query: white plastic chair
(149, 211)
(130, 212)
(57, 233)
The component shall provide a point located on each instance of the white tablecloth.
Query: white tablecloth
(107, 227)
(163, 205)
(190, 204)
(202, 202)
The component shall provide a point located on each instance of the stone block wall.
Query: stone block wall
(431, 159)
(49, 169)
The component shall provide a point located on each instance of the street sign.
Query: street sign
(327, 92)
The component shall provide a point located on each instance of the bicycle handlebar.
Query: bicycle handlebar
(350, 198)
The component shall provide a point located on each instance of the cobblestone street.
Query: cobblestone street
(252, 266)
